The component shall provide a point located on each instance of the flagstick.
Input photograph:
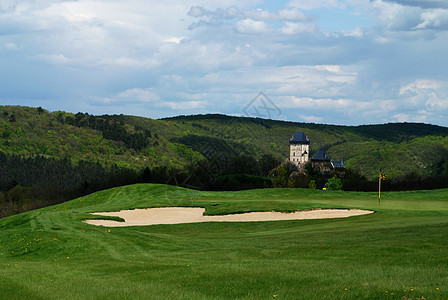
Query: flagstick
(382, 177)
(379, 190)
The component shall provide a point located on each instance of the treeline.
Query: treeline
(60, 173)
(286, 175)
(112, 128)
(227, 173)
(32, 182)
(29, 183)
(398, 132)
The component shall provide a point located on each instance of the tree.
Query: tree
(145, 175)
(298, 180)
(280, 175)
(267, 162)
(334, 183)
(244, 164)
(312, 184)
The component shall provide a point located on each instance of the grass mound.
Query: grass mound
(398, 251)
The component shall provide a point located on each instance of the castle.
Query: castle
(299, 149)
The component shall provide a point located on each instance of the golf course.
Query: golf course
(400, 250)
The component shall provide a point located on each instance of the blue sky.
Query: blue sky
(326, 61)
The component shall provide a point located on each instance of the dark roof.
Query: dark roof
(299, 138)
(338, 164)
(320, 156)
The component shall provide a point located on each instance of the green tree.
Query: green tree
(268, 162)
(298, 180)
(334, 183)
(280, 175)
(312, 184)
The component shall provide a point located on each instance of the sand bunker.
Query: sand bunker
(181, 215)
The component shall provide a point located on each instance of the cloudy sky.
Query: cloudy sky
(345, 62)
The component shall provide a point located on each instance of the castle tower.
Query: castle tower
(299, 149)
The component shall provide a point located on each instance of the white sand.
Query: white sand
(181, 215)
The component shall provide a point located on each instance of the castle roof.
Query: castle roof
(299, 138)
(320, 156)
(338, 164)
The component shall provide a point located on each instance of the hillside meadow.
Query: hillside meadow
(399, 251)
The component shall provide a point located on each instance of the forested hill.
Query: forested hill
(49, 157)
(397, 149)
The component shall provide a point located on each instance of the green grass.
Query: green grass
(51, 254)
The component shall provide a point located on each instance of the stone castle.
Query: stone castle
(299, 149)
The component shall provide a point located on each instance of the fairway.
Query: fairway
(400, 250)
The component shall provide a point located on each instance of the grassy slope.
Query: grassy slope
(50, 253)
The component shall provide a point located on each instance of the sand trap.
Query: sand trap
(181, 215)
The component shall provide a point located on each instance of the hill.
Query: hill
(58, 155)
(398, 149)
(398, 252)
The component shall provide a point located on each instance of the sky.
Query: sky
(344, 62)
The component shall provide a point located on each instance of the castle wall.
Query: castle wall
(323, 167)
(296, 153)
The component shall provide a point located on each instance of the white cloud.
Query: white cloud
(308, 5)
(11, 46)
(358, 32)
(394, 16)
(312, 119)
(259, 14)
(430, 93)
(402, 117)
(186, 105)
(423, 3)
(56, 59)
(142, 95)
(315, 81)
(168, 57)
(173, 39)
(420, 84)
(134, 95)
(325, 104)
(197, 11)
(437, 18)
(127, 62)
(291, 14)
(252, 26)
(296, 28)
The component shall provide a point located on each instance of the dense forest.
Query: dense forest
(50, 157)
